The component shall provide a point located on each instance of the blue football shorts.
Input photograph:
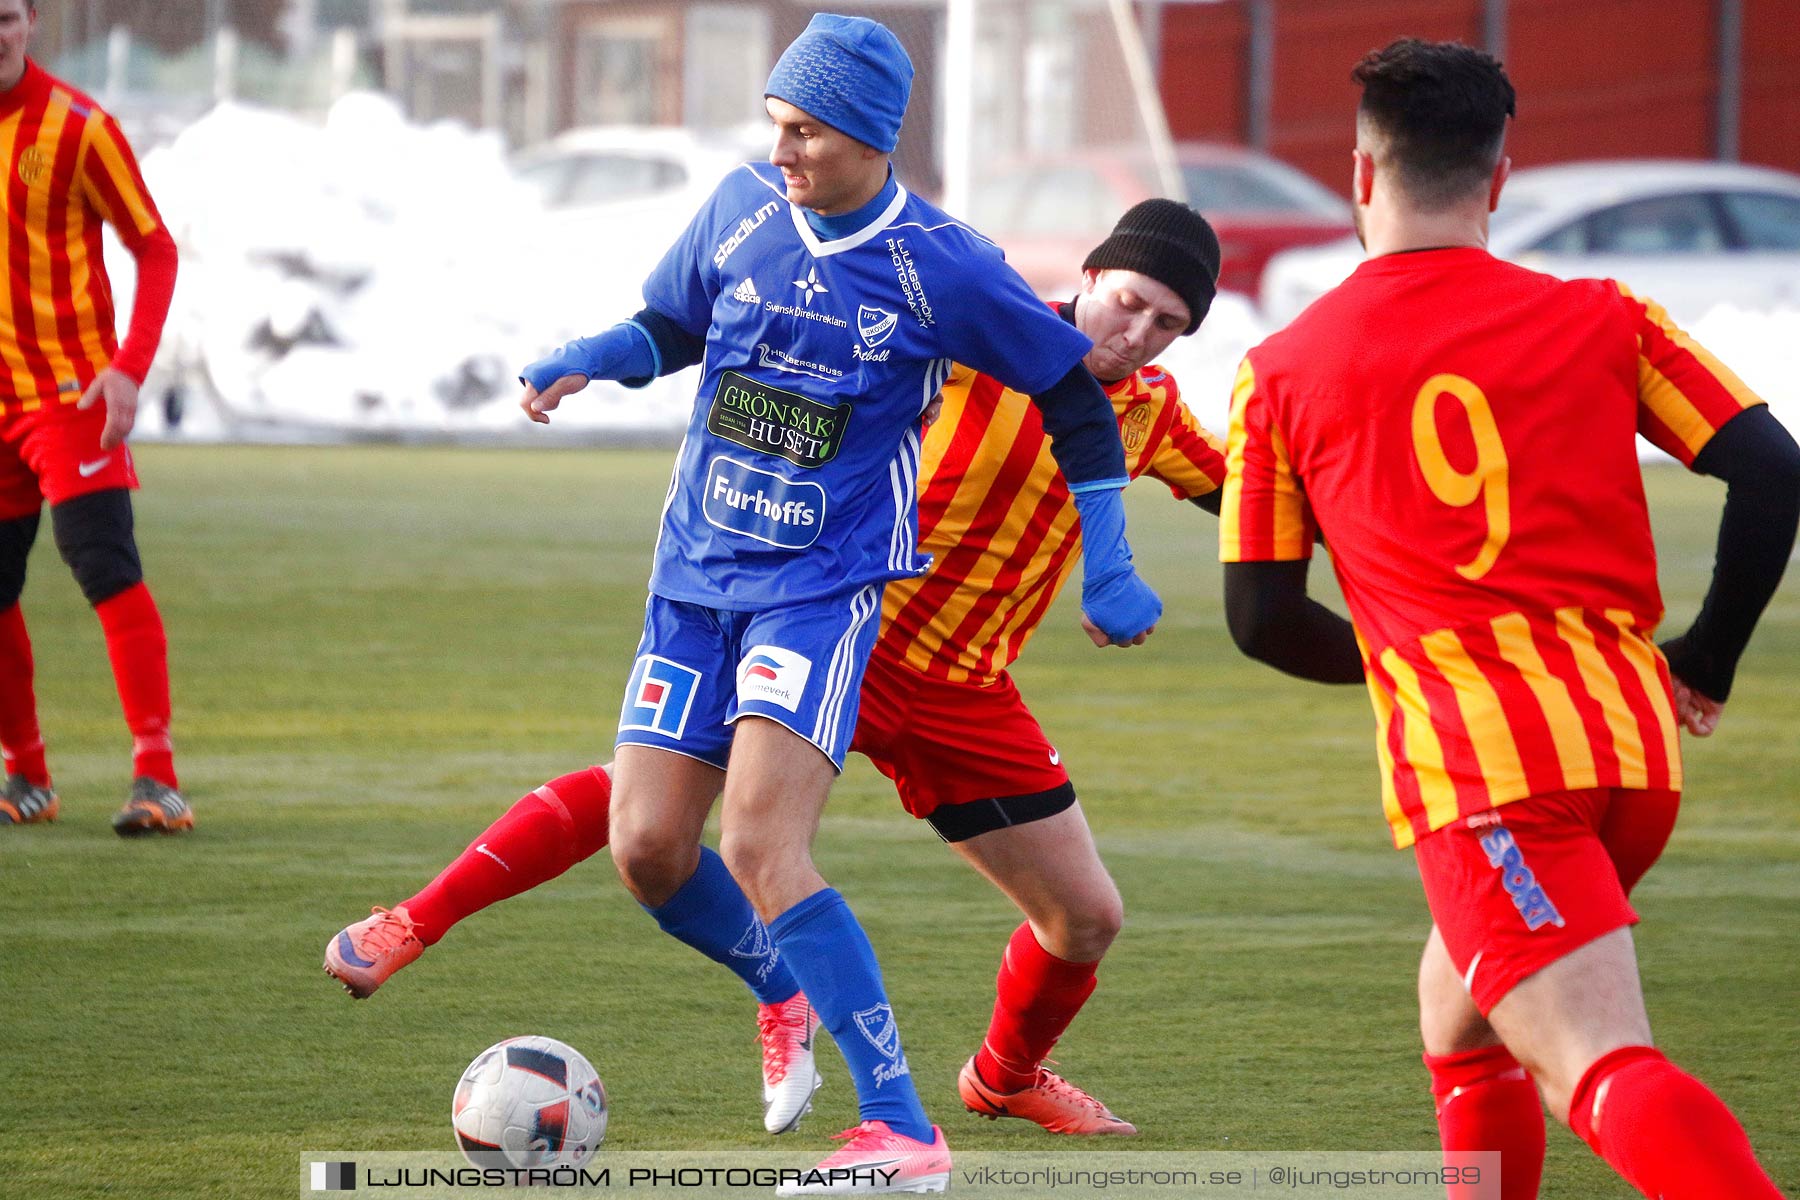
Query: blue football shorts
(699, 669)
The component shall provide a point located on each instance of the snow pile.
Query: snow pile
(369, 276)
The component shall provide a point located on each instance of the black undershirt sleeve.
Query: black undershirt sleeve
(1760, 464)
(1273, 620)
(1083, 429)
(676, 348)
(1209, 502)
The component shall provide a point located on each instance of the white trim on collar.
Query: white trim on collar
(825, 249)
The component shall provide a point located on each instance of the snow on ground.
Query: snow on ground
(372, 278)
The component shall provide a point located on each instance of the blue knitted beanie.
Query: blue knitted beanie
(849, 72)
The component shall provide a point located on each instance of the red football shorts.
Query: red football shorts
(53, 454)
(1517, 887)
(965, 757)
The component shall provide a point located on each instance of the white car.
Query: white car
(607, 170)
(1690, 235)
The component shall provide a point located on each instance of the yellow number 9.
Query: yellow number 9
(1453, 487)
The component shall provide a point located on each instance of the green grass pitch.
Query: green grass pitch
(375, 650)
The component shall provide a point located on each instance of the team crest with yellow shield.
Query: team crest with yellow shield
(34, 166)
(1134, 426)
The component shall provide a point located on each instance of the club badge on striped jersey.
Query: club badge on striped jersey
(1134, 426)
(34, 166)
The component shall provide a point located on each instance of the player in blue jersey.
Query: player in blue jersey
(826, 304)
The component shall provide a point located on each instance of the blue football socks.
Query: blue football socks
(711, 913)
(828, 953)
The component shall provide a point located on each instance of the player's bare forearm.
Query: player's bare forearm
(1273, 620)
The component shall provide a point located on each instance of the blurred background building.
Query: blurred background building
(1603, 78)
(384, 206)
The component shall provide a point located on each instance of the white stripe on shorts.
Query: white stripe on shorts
(863, 605)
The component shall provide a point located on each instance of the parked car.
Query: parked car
(1048, 214)
(604, 166)
(1691, 235)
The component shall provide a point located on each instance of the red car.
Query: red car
(1047, 214)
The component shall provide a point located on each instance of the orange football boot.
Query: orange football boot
(26, 803)
(365, 955)
(154, 807)
(1050, 1101)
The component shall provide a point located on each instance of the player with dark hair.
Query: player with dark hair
(68, 399)
(940, 714)
(1462, 431)
(826, 304)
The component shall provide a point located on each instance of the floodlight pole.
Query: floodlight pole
(1149, 100)
(1728, 116)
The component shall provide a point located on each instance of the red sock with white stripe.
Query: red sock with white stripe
(1665, 1131)
(139, 651)
(547, 832)
(1036, 997)
(20, 741)
(1486, 1101)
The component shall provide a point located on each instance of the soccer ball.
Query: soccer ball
(529, 1102)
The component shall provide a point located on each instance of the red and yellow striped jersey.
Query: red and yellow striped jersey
(1000, 525)
(68, 169)
(1462, 430)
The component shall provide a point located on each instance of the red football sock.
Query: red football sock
(1486, 1101)
(1037, 995)
(1665, 1131)
(140, 662)
(20, 741)
(544, 834)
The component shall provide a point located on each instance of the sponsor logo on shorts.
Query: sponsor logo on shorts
(773, 675)
(1521, 884)
(758, 416)
(89, 469)
(762, 505)
(659, 696)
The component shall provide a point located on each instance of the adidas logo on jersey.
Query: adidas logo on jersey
(746, 291)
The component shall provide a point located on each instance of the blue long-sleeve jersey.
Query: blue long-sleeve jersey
(798, 476)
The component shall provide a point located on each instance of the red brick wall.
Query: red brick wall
(1596, 78)
(1770, 132)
